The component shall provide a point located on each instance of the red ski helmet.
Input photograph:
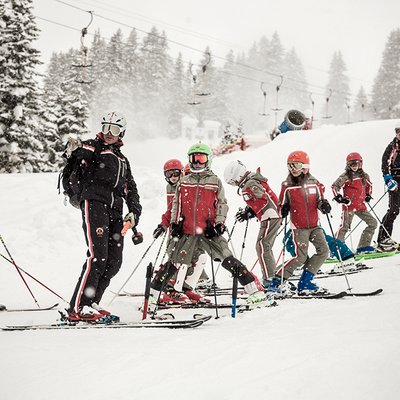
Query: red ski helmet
(352, 157)
(173, 164)
(298, 160)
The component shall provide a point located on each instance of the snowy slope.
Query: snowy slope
(308, 349)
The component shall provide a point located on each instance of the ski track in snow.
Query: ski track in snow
(307, 349)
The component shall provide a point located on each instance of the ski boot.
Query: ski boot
(306, 286)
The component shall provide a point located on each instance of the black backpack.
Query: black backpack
(72, 177)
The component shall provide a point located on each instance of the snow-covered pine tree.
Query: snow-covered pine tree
(72, 102)
(294, 93)
(21, 146)
(178, 99)
(109, 93)
(386, 88)
(362, 110)
(339, 84)
(154, 74)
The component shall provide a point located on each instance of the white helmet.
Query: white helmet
(114, 118)
(234, 172)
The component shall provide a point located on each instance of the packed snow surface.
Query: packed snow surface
(303, 349)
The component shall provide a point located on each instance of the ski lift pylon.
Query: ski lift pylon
(264, 92)
(84, 51)
(327, 116)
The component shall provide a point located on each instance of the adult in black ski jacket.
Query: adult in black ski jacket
(391, 176)
(107, 183)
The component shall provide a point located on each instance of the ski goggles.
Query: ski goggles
(115, 130)
(354, 163)
(172, 173)
(198, 158)
(295, 166)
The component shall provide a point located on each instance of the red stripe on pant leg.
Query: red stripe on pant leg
(88, 260)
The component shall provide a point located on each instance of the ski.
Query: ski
(364, 294)
(171, 324)
(29, 309)
(326, 296)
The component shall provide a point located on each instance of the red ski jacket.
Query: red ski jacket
(355, 189)
(259, 196)
(304, 196)
(199, 197)
(166, 217)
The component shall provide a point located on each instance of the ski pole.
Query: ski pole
(236, 276)
(134, 270)
(19, 272)
(380, 222)
(285, 239)
(36, 280)
(244, 239)
(213, 278)
(359, 222)
(338, 251)
(230, 241)
(149, 274)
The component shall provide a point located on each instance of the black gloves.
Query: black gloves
(285, 210)
(159, 231)
(177, 229)
(214, 230)
(368, 198)
(220, 229)
(324, 206)
(340, 199)
(244, 215)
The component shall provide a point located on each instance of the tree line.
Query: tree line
(140, 78)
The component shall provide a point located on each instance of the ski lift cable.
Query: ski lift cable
(195, 49)
(247, 78)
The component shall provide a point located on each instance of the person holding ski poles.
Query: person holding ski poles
(357, 189)
(173, 172)
(391, 176)
(107, 183)
(302, 196)
(262, 203)
(198, 222)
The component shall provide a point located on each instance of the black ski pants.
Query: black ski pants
(391, 215)
(102, 227)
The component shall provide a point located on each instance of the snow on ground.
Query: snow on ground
(307, 349)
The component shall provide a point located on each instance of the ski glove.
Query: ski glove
(130, 217)
(390, 182)
(324, 206)
(212, 231)
(177, 229)
(244, 215)
(159, 231)
(72, 145)
(368, 198)
(285, 210)
(340, 199)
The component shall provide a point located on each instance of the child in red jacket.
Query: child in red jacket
(357, 190)
(302, 195)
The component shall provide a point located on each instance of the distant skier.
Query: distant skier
(302, 195)
(107, 183)
(198, 214)
(262, 203)
(391, 176)
(357, 189)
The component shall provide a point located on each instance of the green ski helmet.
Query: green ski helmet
(199, 149)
